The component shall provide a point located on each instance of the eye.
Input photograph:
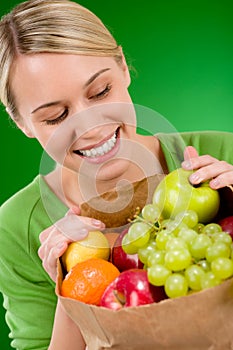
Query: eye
(102, 93)
(59, 119)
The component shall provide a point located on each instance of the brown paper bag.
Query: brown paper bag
(200, 321)
(116, 208)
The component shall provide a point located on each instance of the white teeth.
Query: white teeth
(100, 151)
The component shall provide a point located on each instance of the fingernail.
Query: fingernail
(83, 232)
(215, 183)
(187, 165)
(195, 178)
(75, 210)
(97, 223)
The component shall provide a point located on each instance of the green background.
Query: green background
(182, 55)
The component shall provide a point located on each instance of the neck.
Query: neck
(75, 188)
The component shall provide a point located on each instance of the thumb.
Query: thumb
(190, 152)
(76, 227)
(75, 209)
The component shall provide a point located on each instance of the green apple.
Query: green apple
(175, 193)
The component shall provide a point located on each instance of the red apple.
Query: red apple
(109, 298)
(227, 225)
(122, 260)
(226, 203)
(131, 288)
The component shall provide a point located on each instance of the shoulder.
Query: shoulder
(22, 218)
(215, 143)
(29, 212)
(195, 136)
(20, 205)
(211, 135)
(34, 199)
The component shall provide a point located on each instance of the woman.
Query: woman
(64, 81)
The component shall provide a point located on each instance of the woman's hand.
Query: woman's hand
(55, 239)
(219, 172)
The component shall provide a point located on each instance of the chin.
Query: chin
(113, 170)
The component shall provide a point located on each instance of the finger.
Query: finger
(209, 172)
(77, 227)
(223, 180)
(198, 162)
(190, 152)
(54, 239)
(74, 227)
(49, 261)
(44, 234)
(74, 210)
(50, 265)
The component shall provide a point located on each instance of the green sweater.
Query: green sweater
(29, 296)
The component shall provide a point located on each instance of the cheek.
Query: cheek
(57, 141)
(121, 93)
(53, 139)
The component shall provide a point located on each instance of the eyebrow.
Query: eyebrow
(46, 105)
(94, 76)
(55, 103)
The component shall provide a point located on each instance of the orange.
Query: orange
(87, 280)
(95, 245)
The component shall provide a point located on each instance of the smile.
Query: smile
(105, 148)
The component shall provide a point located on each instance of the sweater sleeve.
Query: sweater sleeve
(28, 292)
(215, 143)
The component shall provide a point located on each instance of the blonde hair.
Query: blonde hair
(60, 26)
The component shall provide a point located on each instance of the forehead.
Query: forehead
(38, 75)
(39, 62)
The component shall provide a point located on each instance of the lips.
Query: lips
(100, 150)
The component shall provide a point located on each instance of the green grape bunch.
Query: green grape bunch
(180, 253)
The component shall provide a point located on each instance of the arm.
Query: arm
(54, 241)
(66, 333)
(28, 292)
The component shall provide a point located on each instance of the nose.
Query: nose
(92, 134)
(87, 120)
(89, 123)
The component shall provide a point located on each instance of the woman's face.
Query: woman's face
(78, 107)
